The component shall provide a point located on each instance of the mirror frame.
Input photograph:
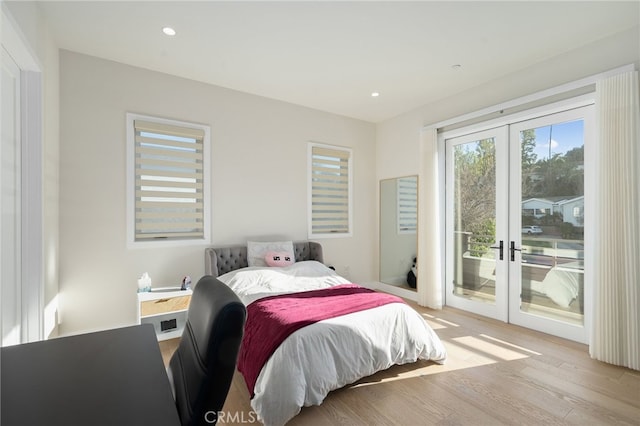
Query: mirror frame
(398, 248)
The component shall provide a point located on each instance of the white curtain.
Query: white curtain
(615, 336)
(429, 249)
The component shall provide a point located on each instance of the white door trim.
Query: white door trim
(32, 169)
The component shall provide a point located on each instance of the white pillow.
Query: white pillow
(256, 251)
(562, 286)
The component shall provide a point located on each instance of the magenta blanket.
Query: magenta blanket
(272, 319)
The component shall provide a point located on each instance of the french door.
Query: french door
(477, 222)
(515, 222)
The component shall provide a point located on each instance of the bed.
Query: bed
(324, 355)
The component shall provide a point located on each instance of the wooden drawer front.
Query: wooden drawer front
(154, 307)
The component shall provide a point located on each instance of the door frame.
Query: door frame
(32, 173)
(496, 118)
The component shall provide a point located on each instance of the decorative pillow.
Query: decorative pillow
(276, 258)
(256, 251)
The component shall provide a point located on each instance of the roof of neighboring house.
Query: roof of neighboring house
(563, 199)
(571, 199)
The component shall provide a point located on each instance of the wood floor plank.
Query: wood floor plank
(513, 386)
(437, 405)
(483, 393)
(496, 374)
(167, 348)
(585, 399)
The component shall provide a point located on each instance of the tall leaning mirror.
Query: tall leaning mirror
(398, 231)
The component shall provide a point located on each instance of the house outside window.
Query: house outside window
(577, 211)
(168, 180)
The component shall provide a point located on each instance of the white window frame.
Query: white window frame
(131, 184)
(310, 216)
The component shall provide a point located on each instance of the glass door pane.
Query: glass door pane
(474, 212)
(547, 286)
(475, 200)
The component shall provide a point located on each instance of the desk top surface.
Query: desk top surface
(113, 377)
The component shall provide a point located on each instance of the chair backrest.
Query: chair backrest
(203, 365)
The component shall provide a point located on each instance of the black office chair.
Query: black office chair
(201, 369)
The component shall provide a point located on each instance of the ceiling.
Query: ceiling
(331, 56)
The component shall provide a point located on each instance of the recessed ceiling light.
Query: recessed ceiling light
(169, 31)
(375, 94)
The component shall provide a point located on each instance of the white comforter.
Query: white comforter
(332, 353)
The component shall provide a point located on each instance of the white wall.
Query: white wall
(259, 189)
(398, 139)
(85, 171)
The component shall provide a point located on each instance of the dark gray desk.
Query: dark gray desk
(113, 377)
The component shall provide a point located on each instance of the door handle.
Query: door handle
(501, 247)
(513, 251)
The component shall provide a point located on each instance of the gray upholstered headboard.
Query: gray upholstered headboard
(220, 260)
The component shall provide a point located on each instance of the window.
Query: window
(407, 202)
(168, 180)
(330, 191)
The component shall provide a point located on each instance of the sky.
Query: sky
(564, 137)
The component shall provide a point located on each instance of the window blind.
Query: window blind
(407, 202)
(330, 190)
(169, 176)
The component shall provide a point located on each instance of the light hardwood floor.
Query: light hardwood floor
(495, 374)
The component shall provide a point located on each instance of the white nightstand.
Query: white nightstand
(166, 310)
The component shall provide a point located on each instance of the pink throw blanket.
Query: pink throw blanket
(272, 319)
